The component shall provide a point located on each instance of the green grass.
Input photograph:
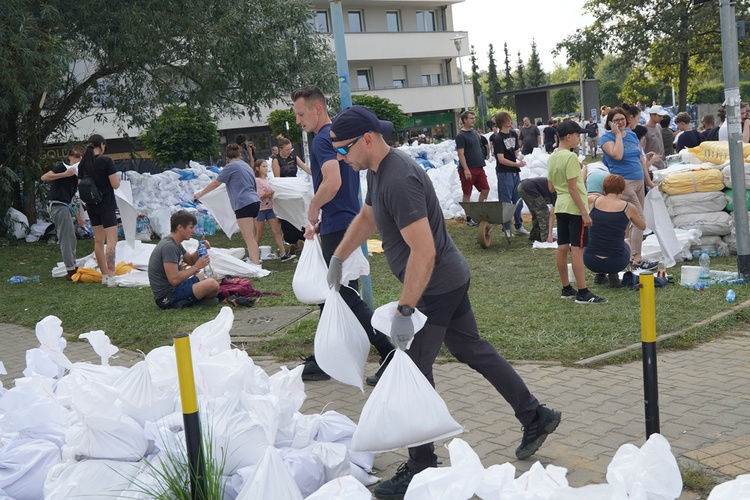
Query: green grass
(514, 292)
(698, 481)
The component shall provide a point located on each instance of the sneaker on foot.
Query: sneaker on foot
(471, 223)
(647, 265)
(522, 231)
(568, 293)
(208, 302)
(600, 279)
(395, 487)
(614, 280)
(312, 371)
(534, 434)
(508, 233)
(589, 298)
(286, 257)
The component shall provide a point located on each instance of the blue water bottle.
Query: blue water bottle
(731, 295)
(208, 272)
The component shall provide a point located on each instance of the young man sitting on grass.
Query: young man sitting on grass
(174, 287)
(572, 211)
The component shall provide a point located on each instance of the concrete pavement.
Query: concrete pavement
(704, 403)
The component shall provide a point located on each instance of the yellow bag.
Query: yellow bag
(716, 152)
(694, 181)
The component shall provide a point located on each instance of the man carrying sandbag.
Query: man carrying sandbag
(332, 209)
(401, 203)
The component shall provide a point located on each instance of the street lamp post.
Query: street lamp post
(457, 42)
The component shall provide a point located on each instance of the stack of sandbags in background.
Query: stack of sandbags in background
(695, 201)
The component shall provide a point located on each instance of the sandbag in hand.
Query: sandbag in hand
(334, 273)
(402, 331)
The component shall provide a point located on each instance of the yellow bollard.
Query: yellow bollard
(648, 346)
(190, 416)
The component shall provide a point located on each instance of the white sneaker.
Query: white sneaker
(508, 233)
(522, 231)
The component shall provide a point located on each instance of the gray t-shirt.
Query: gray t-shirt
(240, 181)
(468, 140)
(167, 250)
(401, 193)
(654, 142)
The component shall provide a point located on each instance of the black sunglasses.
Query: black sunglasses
(344, 150)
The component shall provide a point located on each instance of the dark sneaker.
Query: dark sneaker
(600, 279)
(648, 265)
(395, 487)
(471, 223)
(568, 293)
(372, 380)
(589, 298)
(536, 432)
(287, 257)
(312, 371)
(208, 302)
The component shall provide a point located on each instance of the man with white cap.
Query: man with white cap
(654, 141)
(402, 205)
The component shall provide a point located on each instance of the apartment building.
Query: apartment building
(402, 50)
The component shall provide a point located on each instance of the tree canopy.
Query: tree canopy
(64, 61)
(383, 108)
(182, 133)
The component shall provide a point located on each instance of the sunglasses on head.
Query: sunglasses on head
(344, 150)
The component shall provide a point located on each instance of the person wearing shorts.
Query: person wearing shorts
(471, 161)
(172, 286)
(266, 213)
(572, 212)
(243, 196)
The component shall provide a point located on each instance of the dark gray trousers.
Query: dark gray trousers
(66, 233)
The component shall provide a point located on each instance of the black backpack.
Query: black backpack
(88, 191)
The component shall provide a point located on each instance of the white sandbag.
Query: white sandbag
(291, 199)
(354, 266)
(82, 372)
(212, 338)
(287, 385)
(225, 264)
(231, 371)
(159, 218)
(128, 214)
(657, 219)
(696, 203)
(24, 464)
(306, 468)
(334, 426)
(341, 344)
(140, 398)
(239, 438)
(38, 362)
(32, 404)
(333, 457)
(493, 481)
(362, 475)
(382, 319)
(457, 482)
(727, 172)
(537, 483)
(711, 223)
(218, 206)
(652, 469)
(101, 345)
(739, 487)
(49, 334)
(342, 488)
(271, 479)
(310, 283)
(405, 396)
(89, 479)
(19, 223)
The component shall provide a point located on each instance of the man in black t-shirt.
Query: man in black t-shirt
(471, 161)
(550, 136)
(530, 136)
(592, 131)
(64, 184)
(508, 169)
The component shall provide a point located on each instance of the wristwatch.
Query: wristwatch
(405, 310)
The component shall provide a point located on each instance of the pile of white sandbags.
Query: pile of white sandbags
(69, 430)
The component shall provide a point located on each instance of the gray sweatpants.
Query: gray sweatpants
(66, 233)
(451, 320)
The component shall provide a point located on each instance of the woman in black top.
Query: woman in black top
(285, 163)
(103, 215)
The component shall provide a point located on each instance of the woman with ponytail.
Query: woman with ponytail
(103, 215)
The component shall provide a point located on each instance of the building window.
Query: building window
(399, 76)
(425, 20)
(392, 21)
(364, 79)
(355, 21)
(399, 84)
(320, 22)
(432, 79)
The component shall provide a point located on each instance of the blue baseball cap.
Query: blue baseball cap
(357, 120)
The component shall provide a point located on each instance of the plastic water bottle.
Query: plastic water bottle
(661, 270)
(24, 279)
(705, 262)
(731, 295)
(208, 272)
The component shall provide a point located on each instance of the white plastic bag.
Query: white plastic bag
(271, 479)
(651, 469)
(341, 344)
(342, 488)
(25, 463)
(354, 266)
(405, 396)
(732, 490)
(657, 219)
(382, 319)
(310, 282)
(457, 482)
